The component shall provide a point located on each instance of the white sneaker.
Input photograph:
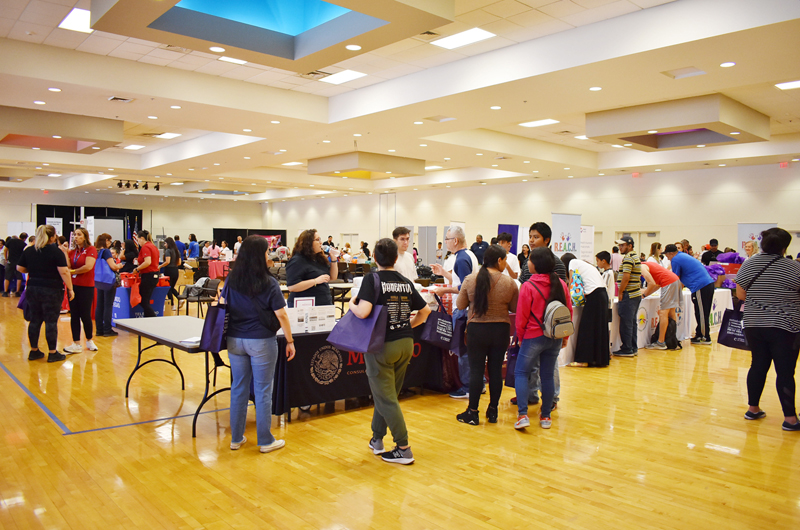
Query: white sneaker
(90, 345)
(236, 446)
(277, 444)
(522, 422)
(73, 348)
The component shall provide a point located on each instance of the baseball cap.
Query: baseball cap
(628, 240)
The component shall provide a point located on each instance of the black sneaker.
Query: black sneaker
(35, 355)
(701, 340)
(110, 333)
(754, 415)
(398, 456)
(491, 414)
(55, 357)
(5, 295)
(530, 401)
(469, 416)
(620, 353)
(791, 426)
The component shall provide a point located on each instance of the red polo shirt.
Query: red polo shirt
(77, 259)
(149, 249)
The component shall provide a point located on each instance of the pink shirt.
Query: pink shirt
(530, 301)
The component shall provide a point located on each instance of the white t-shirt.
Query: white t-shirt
(512, 262)
(590, 275)
(405, 265)
(236, 247)
(226, 254)
(610, 284)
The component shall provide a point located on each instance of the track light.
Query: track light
(158, 187)
(145, 186)
(136, 185)
(128, 184)
(119, 184)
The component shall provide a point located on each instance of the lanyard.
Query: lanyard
(76, 257)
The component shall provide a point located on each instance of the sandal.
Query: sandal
(578, 365)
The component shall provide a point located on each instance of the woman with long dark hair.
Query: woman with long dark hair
(148, 271)
(193, 251)
(104, 281)
(252, 293)
(81, 266)
(309, 270)
(172, 260)
(523, 255)
(128, 255)
(490, 296)
(46, 266)
(770, 288)
(536, 350)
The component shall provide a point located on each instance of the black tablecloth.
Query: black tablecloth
(321, 373)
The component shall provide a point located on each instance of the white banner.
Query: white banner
(90, 229)
(587, 243)
(751, 232)
(57, 223)
(566, 234)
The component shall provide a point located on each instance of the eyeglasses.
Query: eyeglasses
(318, 239)
(449, 238)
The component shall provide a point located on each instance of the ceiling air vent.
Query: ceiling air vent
(502, 158)
(173, 48)
(118, 99)
(315, 75)
(151, 135)
(427, 36)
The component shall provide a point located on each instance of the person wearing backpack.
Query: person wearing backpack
(537, 349)
(591, 344)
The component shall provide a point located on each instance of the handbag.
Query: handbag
(511, 365)
(214, 337)
(23, 304)
(102, 271)
(438, 329)
(577, 290)
(458, 344)
(363, 335)
(731, 332)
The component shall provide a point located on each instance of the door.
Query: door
(642, 240)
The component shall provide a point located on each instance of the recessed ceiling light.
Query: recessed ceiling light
(478, 154)
(176, 183)
(232, 60)
(326, 141)
(276, 122)
(353, 47)
(788, 85)
(735, 133)
(483, 184)
(216, 163)
(617, 146)
(191, 169)
(344, 177)
(38, 167)
(282, 150)
(582, 137)
(627, 145)
(652, 132)
(95, 147)
(111, 169)
(701, 145)
(428, 168)
(596, 88)
(217, 49)
(388, 172)
(38, 102)
(601, 174)
(423, 145)
(417, 123)
(569, 177)
(247, 158)
(496, 107)
(391, 150)
(727, 65)
(167, 136)
(336, 172)
(54, 89)
(134, 147)
(56, 136)
(524, 180)
(415, 189)
(566, 168)
(152, 117)
(342, 77)
(538, 123)
(77, 20)
(247, 130)
(169, 174)
(722, 165)
(36, 148)
(54, 175)
(795, 159)
(175, 106)
(311, 185)
(535, 171)
(292, 164)
(656, 170)
(464, 38)
(356, 134)
(46, 163)
(447, 186)
(447, 159)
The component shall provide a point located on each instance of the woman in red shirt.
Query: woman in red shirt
(81, 268)
(148, 270)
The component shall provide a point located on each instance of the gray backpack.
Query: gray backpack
(556, 323)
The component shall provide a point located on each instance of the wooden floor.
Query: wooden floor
(656, 441)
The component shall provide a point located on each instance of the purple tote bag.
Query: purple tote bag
(214, 337)
(362, 335)
(438, 329)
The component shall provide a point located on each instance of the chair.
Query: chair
(423, 281)
(207, 294)
(342, 298)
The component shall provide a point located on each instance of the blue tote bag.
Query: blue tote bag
(365, 335)
(214, 337)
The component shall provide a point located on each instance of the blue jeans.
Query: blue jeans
(628, 332)
(540, 352)
(535, 383)
(252, 359)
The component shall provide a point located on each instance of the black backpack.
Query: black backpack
(671, 338)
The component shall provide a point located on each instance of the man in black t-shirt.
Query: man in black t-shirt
(386, 370)
(14, 248)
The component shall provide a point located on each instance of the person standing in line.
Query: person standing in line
(523, 255)
(81, 266)
(405, 261)
(512, 269)
(171, 264)
(464, 264)
(214, 250)
(148, 271)
(181, 247)
(104, 269)
(309, 270)
(536, 350)
(770, 289)
(3, 263)
(694, 275)
(630, 295)
(658, 277)
(490, 294)
(13, 250)
(193, 250)
(237, 246)
(591, 342)
(386, 370)
(479, 247)
(46, 267)
(616, 259)
(252, 292)
(128, 257)
(225, 253)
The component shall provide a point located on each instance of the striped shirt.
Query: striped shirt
(773, 301)
(632, 265)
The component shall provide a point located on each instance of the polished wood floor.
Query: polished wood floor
(656, 441)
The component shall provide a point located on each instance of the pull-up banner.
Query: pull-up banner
(752, 232)
(566, 234)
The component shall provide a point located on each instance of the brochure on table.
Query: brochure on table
(312, 319)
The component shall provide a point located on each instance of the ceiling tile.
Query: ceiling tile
(334, 91)
(530, 18)
(167, 54)
(216, 68)
(506, 8)
(465, 6)
(452, 28)
(5, 26)
(501, 27)
(437, 59)
(44, 13)
(131, 47)
(193, 59)
(70, 3)
(126, 55)
(476, 18)
(287, 72)
(398, 47)
(590, 16)
(144, 42)
(487, 45)
(306, 89)
(561, 8)
(206, 55)
(149, 59)
(399, 71)
(12, 8)
(281, 84)
(98, 45)
(644, 4)
(112, 36)
(265, 78)
(64, 38)
(242, 72)
(536, 4)
(541, 30)
(590, 4)
(183, 66)
(29, 32)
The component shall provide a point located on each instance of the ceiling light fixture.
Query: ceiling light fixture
(701, 145)
(471, 36)
(56, 137)
(735, 133)
(217, 49)
(652, 132)
(656, 170)
(356, 134)
(582, 137)
(54, 175)
(626, 145)
(423, 145)
(496, 107)
(478, 154)
(54, 89)
(417, 123)
(722, 165)
(342, 77)
(77, 20)
(38, 102)
(429, 168)
(95, 147)
(276, 122)
(538, 123)
(391, 150)
(353, 47)
(35, 148)
(176, 183)
(292, 164)
(134, 147)
(789, 85)
(247, 158)
(617, 146)
(596, 88)
(232, 60)
(167, 136)
(727, 65)
(152, 117)
(282, 150)
(326, 141)
(175, 107)
(524, 180)
(247, 130)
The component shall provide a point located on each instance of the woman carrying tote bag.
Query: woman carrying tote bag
(386, 370)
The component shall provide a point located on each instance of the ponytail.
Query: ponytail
(43, 235)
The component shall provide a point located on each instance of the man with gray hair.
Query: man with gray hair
(465, 264)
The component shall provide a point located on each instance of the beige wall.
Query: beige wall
(176, 215)
(697, 205)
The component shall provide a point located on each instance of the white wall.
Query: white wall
(696, 205)
(176, 215)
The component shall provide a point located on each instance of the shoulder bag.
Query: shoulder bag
(366, 335)
(214, 337)
(438, 329)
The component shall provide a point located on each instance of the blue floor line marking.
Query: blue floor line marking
(142, 422)
(37, 401)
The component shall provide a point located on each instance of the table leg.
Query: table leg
(206, 396)
(140, 364)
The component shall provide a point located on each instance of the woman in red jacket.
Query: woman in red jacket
(536, 350)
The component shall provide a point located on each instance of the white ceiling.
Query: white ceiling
(545, 57)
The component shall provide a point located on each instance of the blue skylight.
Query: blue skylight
(290, 17)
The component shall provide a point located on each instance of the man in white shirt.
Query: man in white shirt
(236, 246)
(405, 261)
(512, 264)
